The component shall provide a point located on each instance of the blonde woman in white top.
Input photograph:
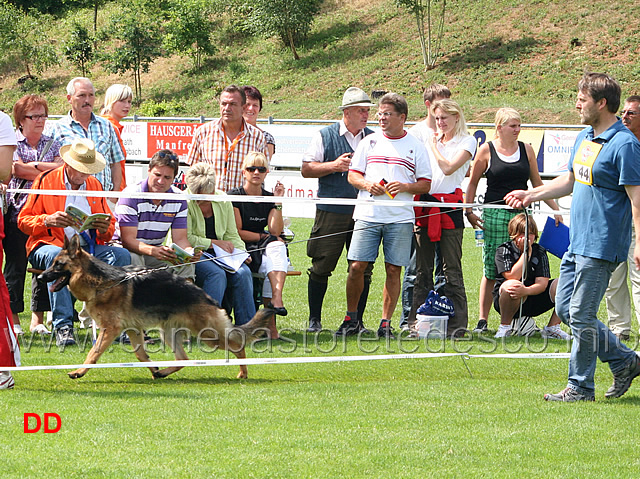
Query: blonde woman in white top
(451, 149)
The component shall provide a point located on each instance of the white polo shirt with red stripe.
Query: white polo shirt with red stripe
(402, 159)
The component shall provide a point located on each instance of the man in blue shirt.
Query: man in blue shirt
(604, 176)
(80, 122)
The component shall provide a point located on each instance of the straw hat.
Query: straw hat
(355, 97)
(81, 155)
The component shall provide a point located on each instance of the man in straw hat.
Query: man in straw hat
(328, 159)
(47, 223)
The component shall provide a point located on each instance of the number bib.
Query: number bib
(583, 161)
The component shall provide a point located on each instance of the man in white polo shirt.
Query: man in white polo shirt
(388, 166)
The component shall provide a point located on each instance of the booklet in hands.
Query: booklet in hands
(182, 255)
(230, 262)
(82, 220)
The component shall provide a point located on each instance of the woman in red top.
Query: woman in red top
(9, 352)
(117, 104)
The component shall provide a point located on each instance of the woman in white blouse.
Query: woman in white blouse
(451, 149)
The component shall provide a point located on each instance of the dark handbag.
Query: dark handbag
(255, 251)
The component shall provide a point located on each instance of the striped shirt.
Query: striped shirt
(210, 145)
(153, 222)
(379, 157)
(101, 133)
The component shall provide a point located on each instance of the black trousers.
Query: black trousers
(15, 271)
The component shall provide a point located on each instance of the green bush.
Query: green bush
(161, 108)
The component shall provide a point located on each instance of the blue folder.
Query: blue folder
(555, 239)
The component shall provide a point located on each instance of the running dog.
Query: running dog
(132, 300)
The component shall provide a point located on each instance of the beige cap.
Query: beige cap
(355, 97)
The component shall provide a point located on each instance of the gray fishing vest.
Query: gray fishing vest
(335, 185)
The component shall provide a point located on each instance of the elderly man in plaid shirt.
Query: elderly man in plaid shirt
(80, 122)
(224, 142)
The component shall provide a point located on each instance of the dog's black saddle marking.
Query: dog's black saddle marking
(163, 294)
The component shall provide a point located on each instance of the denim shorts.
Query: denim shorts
(396, 242)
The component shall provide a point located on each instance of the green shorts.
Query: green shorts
(496, 232)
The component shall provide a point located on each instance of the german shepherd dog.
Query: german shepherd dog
(120, 301)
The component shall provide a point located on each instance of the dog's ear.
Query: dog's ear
(72, 246)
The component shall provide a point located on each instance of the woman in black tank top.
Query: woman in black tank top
(507, 164)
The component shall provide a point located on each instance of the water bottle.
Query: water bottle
(479, 238)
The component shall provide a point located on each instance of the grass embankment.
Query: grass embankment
(528, 55)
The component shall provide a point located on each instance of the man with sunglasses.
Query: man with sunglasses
(617, 294)
(143, 224)
(387, 167)
(328, 159)
(225, 142)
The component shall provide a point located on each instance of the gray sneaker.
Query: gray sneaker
(568, 395)
(64, 336)
(622, 380)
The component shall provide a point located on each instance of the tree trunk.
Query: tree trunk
(95, 23)
(292, 45)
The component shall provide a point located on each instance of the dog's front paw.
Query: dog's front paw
(77, 374)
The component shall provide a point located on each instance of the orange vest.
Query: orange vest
(37, 207)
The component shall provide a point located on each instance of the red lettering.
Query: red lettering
(47, 416)
(28, 415)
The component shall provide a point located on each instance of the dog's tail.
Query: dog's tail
(256, 328)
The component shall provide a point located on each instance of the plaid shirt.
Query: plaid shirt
(209, 145)
(101, 133)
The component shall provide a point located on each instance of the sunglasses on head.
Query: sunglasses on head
(261, 169)
(169, 156)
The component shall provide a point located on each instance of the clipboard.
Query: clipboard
(555, 239)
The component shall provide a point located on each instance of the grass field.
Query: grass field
(394, 418)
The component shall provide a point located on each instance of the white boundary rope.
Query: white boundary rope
(267, 199)
(279, 360)
(291, 360)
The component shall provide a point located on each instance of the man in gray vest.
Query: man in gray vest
(328, 159)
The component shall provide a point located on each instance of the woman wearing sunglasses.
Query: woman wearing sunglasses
(260, 226)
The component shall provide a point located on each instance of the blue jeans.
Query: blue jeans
(61, 301)
(407, 285)
(214, 281)
(580, 290)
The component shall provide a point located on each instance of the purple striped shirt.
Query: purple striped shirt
(153, 222)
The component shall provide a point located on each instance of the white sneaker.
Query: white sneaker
(6, 380)
(17, 330)
(40, 329)
(554, 332)
(84, 318)
(504, 331)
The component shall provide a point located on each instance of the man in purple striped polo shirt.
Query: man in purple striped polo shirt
(143, 223)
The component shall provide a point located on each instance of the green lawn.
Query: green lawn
(396, 418)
